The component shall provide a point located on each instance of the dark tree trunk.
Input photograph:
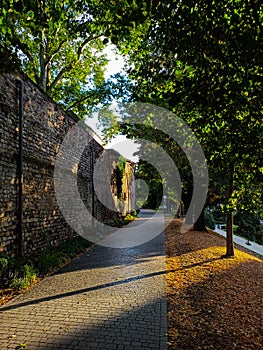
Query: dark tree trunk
(229, 215)
(229, 235)
(199, 224)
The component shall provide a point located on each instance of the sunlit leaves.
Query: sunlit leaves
(60, 46)
(203, 61)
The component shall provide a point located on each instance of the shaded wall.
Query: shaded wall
(45, 126)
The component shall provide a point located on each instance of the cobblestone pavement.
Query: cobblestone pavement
(108, 298)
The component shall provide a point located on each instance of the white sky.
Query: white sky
(126, 147)
(115, 65)
(116, 62)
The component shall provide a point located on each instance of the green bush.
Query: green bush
(134, 212)
(209, 219)
(3, 263)
(55, 257)
(15, 274)
(249, 226)
(259, 236)
(218, 215)
(129, 217)
(29, 276)
(46, 261)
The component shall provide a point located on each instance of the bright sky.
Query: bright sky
(116, 62)
(121, 144)
(125, 147)
(115, 65)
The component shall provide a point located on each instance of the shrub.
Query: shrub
(218, 215)
(209, 219)
(249, 226)
(54, 257)
(19, 274)
(15, 274)
(29, 277)
(129, 217)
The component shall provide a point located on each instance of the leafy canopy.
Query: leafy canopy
(60, 45)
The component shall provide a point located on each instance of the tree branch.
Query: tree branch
(50, 58)
(78, 102)
(85, 43)
(58, 77)
(71, 65)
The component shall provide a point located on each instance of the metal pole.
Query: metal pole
(92, 181)
(20, 171)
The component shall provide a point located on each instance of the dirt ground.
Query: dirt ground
(213, 302)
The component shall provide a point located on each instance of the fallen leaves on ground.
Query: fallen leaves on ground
(6, 295)
(213, 302)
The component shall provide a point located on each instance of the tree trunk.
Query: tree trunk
(43, 72)
(229, 235)
(229, 215)
(199, 225)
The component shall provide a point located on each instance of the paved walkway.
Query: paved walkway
(109, 298)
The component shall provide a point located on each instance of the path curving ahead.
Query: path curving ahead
(108, 298)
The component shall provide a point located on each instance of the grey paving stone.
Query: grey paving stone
(108, 298)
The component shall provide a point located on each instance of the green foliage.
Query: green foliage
(15, 274)
(203, 61)
(122, 165)
(249, 226)
(134, 213)
(119, 173)
(130, 217)
(149, 174)
(247, 223)
(18, 274)
(3, 263)
(218, 215)
(259, 236)
(59, 45)
(209, 219)
(55, 257)
(28, 276)
(48, 260)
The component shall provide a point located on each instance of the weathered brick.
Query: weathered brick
(45, 126)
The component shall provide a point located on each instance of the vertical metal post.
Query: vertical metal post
(20, 171)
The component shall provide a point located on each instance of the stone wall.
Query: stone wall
(45, 126)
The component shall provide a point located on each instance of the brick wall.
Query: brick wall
(45, 126)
